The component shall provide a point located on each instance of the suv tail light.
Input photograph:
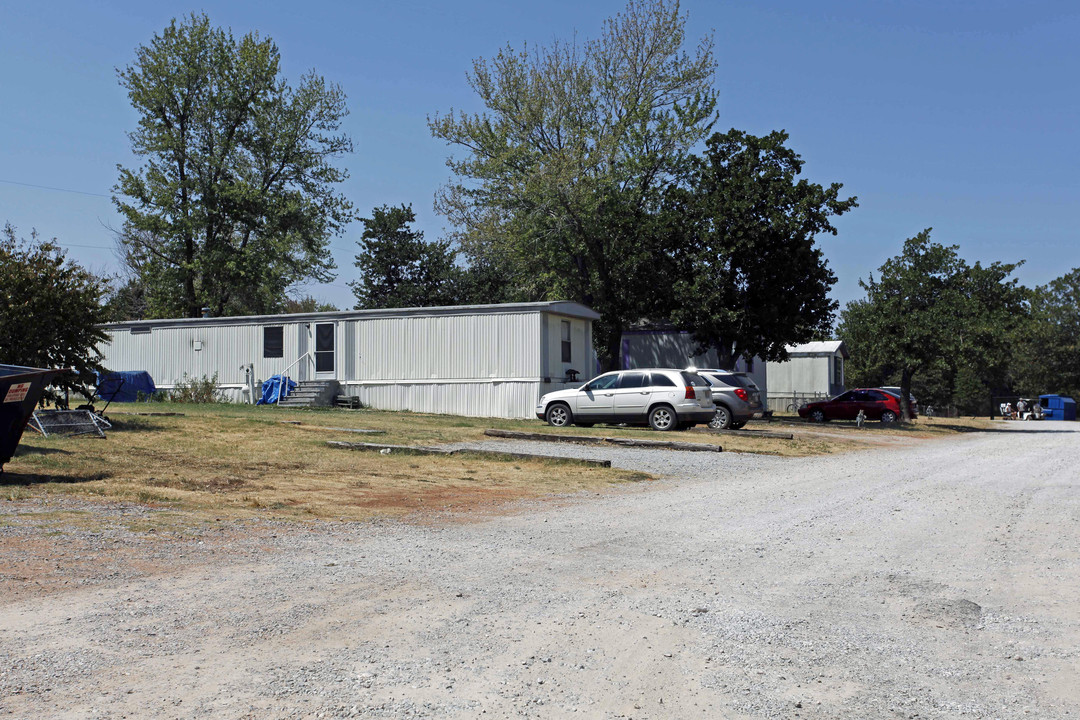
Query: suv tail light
(690, 395)
(741, 394)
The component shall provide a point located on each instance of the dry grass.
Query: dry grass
(234, 461)
(237, 461)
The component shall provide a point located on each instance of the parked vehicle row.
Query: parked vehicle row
(662, 398)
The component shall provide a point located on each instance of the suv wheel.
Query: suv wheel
(663, 417)
(722, 419)
(559, 415)
(888, 416)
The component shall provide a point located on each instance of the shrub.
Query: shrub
(197, 390)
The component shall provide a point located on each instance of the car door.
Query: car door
(843, 407)
(631, 395)
(596, 399)
(875, 404)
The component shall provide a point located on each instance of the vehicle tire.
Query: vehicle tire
(888, 417)
(663, 418)
(738, 425)
(559, 415)
(722, 419)
(817, 416)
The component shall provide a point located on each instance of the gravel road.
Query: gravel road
(936, 580)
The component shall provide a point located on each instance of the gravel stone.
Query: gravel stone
(929, 579)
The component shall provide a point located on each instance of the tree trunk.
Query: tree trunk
(725, 357)
(905, 395)
(609, 347)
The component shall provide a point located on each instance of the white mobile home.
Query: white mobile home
(479, 360)
(814, 370)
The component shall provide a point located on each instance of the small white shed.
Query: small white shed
(479, 360)
(814, 370)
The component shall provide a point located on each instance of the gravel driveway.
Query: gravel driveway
(938, 580)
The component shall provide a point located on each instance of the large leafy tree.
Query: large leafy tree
(562, 174)
(398, 268)
(929, 311)
(1046, 352)
(746, 249)
(236, 199)
(50, 309)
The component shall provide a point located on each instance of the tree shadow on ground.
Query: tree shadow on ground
(10, 477)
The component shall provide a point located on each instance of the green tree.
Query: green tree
(1046, 352)
(50, 309)
(307, 304)
(398, 268)
(562, 174)
(236, 200)
(746, 249)
(930, 310)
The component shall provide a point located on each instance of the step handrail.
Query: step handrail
(285, 373)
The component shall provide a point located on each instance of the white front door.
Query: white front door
(325, 350)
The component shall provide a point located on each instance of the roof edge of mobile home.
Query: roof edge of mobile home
(561, 307)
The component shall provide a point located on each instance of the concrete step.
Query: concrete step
(313, 393)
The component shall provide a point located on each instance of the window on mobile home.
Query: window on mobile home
(273, 342)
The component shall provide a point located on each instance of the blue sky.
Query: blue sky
(960, 116)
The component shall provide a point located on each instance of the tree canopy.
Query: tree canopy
(1046, 349)
(929, 311)
(745, 248)
(398, 268)
(236, 200)
(50, 308)
(563, 172)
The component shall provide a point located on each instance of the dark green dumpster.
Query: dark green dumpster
(20, 390)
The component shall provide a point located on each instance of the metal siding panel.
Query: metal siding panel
(454, 347)
(507, 399)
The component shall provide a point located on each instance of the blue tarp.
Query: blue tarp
(270, 390)
(125, 386)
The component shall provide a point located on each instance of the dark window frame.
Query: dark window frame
(270, 347)
(567, 347)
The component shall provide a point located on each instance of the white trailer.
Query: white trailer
(479, 360)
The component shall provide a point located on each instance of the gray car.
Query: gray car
(663, 398)
(736, 397)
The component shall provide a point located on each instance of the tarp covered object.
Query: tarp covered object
(270, 390)
(125, 386)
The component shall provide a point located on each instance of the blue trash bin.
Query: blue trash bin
(1058, 407)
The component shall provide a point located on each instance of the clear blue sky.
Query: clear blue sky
(962, 116)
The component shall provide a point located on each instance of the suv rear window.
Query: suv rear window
(662, 380)
(693, 379)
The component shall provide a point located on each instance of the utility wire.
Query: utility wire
(57, 189)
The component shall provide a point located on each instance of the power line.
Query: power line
(57, 189)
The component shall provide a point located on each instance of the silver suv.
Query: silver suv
(736, 396)
(663, 398)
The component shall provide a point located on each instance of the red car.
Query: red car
(877, 405)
